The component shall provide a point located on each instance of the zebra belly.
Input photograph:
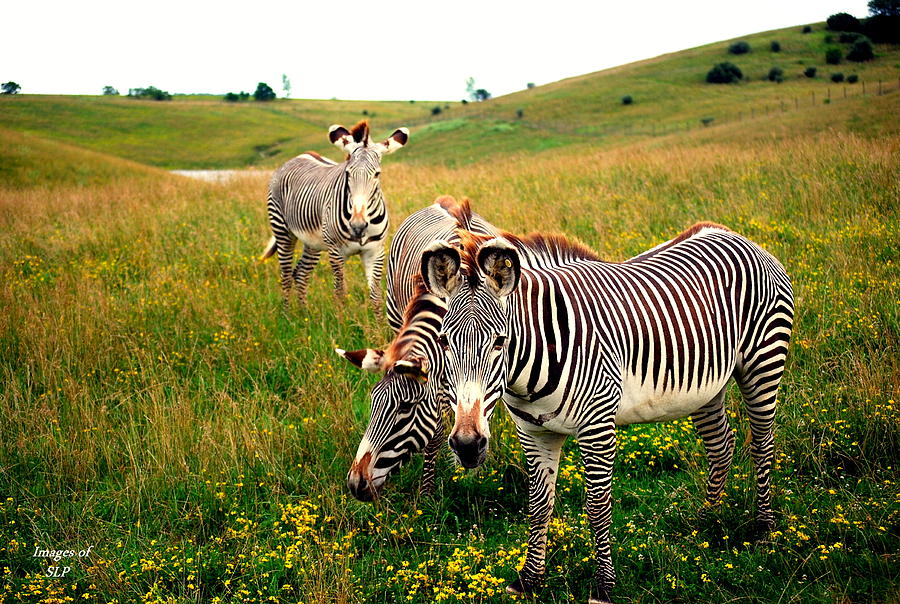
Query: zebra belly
(311, 239)
(641, 404)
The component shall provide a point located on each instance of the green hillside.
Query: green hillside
(669, 94)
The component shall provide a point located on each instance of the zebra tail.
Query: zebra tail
(269, 251)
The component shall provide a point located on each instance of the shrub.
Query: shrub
(706, 121)
(848, 37)
(775, 46)
(829, 39)
(530, 85)
(861, 50)
(150, 92)
(833, 56)
(739, 48)
(435, 111)
(807, 29)
(520, 113)
(852, 78)
(231, 97)
(263, 92)
(776, 74)
(724, 73)
(627, 100)
(843, 22)
(810, 72)
(837, 78)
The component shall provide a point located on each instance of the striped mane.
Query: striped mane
(461, 211)
(421, 306)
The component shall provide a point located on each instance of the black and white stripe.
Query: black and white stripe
(338, 208)
(407, 401)
(576, 346)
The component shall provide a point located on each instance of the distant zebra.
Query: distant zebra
(576, 346)
(335, 207)
(406, 402)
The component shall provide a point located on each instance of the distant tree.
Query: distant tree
(861, 50)
(263, 92)
(724, 73)
(481, 95)
(10, 88)
(833, 56)
(110, 91)
(436, 110)
(470, 87)
(739, 48)
(843, 22)
(530, 85)
(231, 97)
(775, 46)
(852, 78)
(807, 29)
(810, 72)
(286, 85)
(150, 92)
(776, 74)
(627, 100)
(887, 8)
(837, 78)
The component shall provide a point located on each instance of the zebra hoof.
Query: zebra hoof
(521, 588)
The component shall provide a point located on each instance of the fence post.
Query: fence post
(782, 105)
(864, 87)
(879, 87)
(845, 92)
(829, 92)
(814, 97)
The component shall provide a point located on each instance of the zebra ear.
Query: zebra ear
(367, 358)
(499, 261)
(440, 268)
(342, 138)
(395, 141)
(416, 368)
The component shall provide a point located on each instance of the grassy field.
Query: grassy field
(160, 409)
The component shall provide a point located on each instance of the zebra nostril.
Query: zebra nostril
(482, 443)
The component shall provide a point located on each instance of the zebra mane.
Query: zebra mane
(420, 306)
(461, 211)
(548, 248)
(360, 132)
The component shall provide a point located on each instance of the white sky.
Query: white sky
(349, 49)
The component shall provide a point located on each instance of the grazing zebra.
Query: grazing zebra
(406, 402)
(333, 207)
(577, 346)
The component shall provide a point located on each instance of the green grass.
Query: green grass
(158, 406)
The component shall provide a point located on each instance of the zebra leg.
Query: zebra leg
(285, 244)
(759, 384)
(337, 267)
(429, 467)
(373, 263)
(598, 451)
(711, 423)
(542, 450)
(303, 269)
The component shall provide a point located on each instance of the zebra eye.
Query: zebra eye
(499, 342)
(442, 340)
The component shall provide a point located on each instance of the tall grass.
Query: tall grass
(159, 406)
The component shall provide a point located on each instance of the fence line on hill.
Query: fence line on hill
(833, 93)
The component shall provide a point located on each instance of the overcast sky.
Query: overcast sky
(348, 49)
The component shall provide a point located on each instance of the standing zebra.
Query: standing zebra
(407, 401)
(333, 207)
(581, 347)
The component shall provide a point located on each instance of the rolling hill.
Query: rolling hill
(669, 95)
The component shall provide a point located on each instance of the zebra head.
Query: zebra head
(363, 202)
(475, 333)
(405, 415)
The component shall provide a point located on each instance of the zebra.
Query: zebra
(407, 401)
(335, 207)
(577, 346)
